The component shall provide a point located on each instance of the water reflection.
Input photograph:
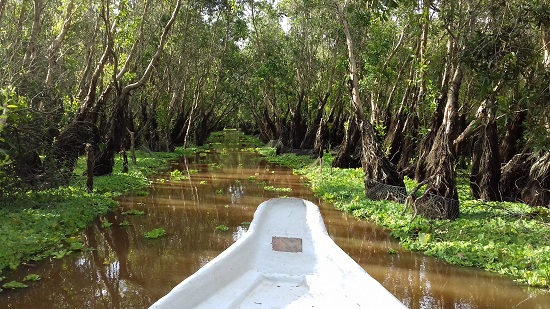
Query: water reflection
(125, 270)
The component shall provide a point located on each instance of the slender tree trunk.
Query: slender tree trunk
(119, 118)
(378, 169)
(440, 200)
(2, 9)
(512, 138)
(90, 168)
(313, 130)
(537, 190)
(53, 50)
(437, 119)
(344, 158)
(30, 54)
(545, 37)
(515, 176)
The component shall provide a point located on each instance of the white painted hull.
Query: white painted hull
(285, 260)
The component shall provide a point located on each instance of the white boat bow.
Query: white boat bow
(286, 259)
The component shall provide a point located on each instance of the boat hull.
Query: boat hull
(285, 260)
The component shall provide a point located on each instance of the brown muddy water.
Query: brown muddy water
(126, 270)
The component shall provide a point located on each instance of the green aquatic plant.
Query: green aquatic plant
(12, 285)
(222, 228)
(178, 175)
(133, 212)
(32, 277)
(105, 224)
(124, 223)
(275, 189)
(76, 246)
(155, 233)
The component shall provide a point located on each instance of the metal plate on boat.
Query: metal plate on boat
(286, 244)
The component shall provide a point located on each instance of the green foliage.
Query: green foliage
(39, 224)
(106, 224)
(287, 159)
(14, 285)
(275, 189)
(222, 228)
(32, 277)
(35, 223)
(155, 233)
(133, 212)
(509, 238)
(178, 175)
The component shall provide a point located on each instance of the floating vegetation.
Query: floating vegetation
(133, 212)
(155, 233)
(14, 285)
(222, 228)
(275, 189)
(76, 246)
(106, 224)
(124, 223)
(32, 277)
(178, 175)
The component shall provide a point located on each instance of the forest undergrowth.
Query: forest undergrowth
(512, 239)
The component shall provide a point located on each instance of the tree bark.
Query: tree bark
(378, 169)
(2, 9)
(90, 167)
(515, 176)
(313, 130)
(545, 38)
(440, 200)
(30, 54)
(119, 118)
(54, 47)
(537, 190)
(485, 180)
(344, 157)
(512, 138)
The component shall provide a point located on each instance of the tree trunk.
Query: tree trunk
(537, 190)
(57, 42)
(30, 54)
(296, 123)
(440, 200)
(512, 138)
(545, 36)
(90, 168)
(313, 130)
(381, 177)
(485, 175)
(344, 157)
(515, 175)
(118, 121)
(437, 119)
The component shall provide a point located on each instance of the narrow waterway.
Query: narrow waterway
(222, 188)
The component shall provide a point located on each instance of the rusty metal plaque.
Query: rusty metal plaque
(286, 244)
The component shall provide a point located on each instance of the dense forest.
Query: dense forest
(399, 87)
